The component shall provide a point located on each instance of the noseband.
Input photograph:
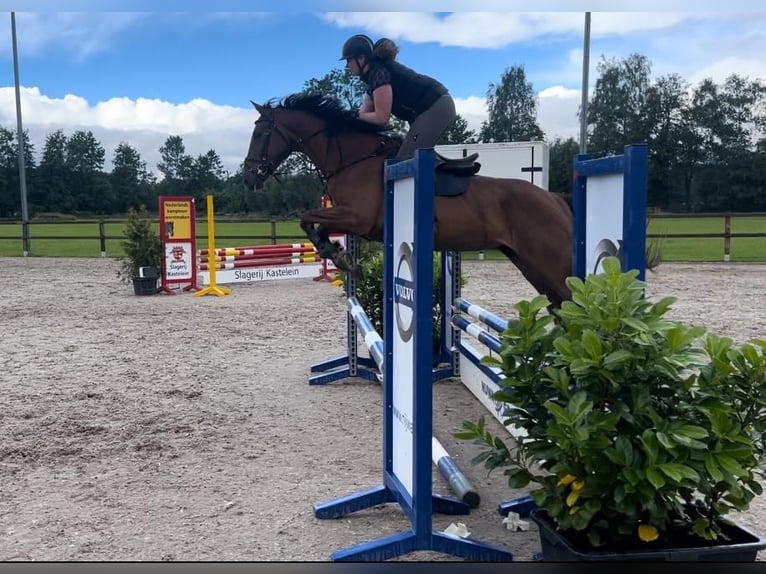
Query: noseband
(264, 168)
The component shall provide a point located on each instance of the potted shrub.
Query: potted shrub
(143, 253)
(639, 432)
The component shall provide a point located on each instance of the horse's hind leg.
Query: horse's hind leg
(556, 293)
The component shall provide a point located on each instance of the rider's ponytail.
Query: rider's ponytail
(385, 49)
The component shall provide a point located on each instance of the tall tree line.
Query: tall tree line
(707, 146)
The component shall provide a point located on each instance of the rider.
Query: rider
(395, 89)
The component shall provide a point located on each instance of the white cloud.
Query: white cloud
(144, 123)
(557, 112)
(82, 33)
(495, 30)
(719, 70)
(473, 110)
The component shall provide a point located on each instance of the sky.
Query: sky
(139, 77)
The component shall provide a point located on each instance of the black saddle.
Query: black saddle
(453, 174)
(462, 166)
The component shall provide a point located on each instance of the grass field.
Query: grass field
(744, 249)
(81, 239)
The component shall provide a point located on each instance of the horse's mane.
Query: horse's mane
(328, 108)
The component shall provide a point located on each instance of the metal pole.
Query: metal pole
(584, 95)
(20, 136)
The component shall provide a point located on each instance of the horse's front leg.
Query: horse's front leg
(317, 227)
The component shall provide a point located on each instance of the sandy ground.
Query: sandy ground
(183, 428)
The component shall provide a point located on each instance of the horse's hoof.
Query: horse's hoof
(345, 262)
(327, 251)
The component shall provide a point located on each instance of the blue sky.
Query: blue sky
(139, 77)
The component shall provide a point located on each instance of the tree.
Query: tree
(90, 188)
(175, 166)
(10, 184)
(618, 110)
(560, 165)
(457, 133)
(338, 84)
(206, 174)
(667, 103)
(53, 189)
(512, 107)
(130, 180)
(730, 129)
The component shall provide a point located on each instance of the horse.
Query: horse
(529, 225)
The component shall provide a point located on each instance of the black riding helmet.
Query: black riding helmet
(356, 46)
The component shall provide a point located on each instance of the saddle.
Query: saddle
(462, 166)
(453, 174)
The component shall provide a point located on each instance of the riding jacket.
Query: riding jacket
(413, 93)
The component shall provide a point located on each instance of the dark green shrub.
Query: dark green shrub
(637, 427)
(141, 244)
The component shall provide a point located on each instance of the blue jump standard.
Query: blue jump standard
(405, 542)
(408, 412)
(338, 369)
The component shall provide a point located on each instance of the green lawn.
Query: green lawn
(81, 239)
(709, 249)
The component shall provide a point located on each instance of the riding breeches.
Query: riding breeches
(426, 129)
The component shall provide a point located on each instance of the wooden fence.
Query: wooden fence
(726, 234)
(26, 231)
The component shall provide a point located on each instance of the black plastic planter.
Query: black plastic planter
(556, 548)
(145, 285)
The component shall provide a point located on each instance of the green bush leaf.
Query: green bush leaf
(592, 344)
(617, 359)
(677, 472)
(655, 477)
(691, 431)
(559, 412)
(730, 465)
(713, 468)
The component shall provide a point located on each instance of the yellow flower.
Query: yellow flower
(567, 479)
(578, 484)
(647, 533)
(572, 498)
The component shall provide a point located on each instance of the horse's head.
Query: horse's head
(342, 139)
(269, 147)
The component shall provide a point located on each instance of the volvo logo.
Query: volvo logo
(404, 292)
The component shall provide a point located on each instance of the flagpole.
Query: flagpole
(584, 94)
(20, 136)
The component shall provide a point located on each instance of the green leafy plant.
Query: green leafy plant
(141, 244)
(636, 429)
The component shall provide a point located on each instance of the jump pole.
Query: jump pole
(408, 391)
(457, 481)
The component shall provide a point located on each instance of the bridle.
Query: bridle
(266, 168)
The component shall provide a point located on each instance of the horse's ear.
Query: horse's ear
(257, 107)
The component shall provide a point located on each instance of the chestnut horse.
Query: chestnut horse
(530, 226)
